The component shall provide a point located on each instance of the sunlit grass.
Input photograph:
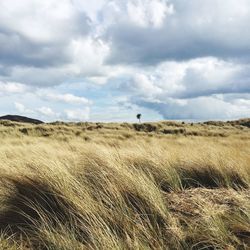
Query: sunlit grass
(117, 186)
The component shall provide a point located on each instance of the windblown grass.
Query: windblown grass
(114, 186)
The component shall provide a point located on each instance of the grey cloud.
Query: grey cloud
(199, 89)
(196, 29)
(16, 50)
(147, 46)
(194, 78)
(44, 43)
(201, 108)
(197, 85)
(4, 71)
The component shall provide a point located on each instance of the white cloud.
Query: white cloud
(52, 21)
(143, 85)
(88, 56)
(90, 7)
(197, 77)
(12, 88)
(48, 112)
(22, 109)
(66, 98)
(148, 12)
(77, 114)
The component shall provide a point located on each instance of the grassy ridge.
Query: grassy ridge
(125, 186)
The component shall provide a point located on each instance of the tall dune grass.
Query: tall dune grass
(66, 186)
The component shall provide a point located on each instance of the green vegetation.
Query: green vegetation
(163, 185)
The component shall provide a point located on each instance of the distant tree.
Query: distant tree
(138, 116)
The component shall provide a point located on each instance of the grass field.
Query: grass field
(163, 185)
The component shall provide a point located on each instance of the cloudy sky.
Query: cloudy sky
(107, 60)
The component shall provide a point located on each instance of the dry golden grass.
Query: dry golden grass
(122, 186)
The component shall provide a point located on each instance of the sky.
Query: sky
(107, 60)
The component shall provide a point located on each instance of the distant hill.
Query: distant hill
(18, 118)
(243, 122)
